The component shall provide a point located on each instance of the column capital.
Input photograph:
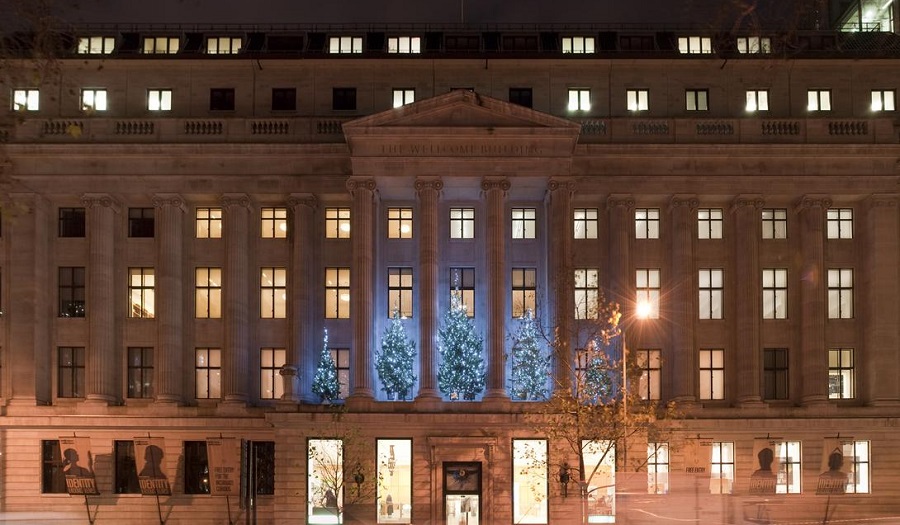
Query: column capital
(425, 184)
(309, 200)
(617, 200)
(240, 200)
(355, 184)
(492, 183)
(808, 202)
(691, 202)
(561, 183)
(747, 201)
(163, 200)
(100, 200)
(883, 200)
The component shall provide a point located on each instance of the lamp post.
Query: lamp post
(642, 310)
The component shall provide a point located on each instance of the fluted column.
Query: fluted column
(559, 260)
(621, 228)
(882, 335)
(813, 285)
(101, 363)
(301, 360)
(746, 211)
(680, 308)
(235, 355)
(362, 293)
(495, 193)
(428, 192)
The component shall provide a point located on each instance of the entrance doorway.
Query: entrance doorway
(462, 493)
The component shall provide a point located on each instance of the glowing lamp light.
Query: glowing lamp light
(345, 297)
(345, 227)
(405, 228)
(643, 309)
(283, 226)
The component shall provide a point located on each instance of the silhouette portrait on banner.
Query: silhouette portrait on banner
(763, 479)
(77, 465)
(71, 466)
(152, 475)
(834, 479)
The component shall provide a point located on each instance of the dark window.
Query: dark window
(70, 371)
(343, 99)
(140, 372)
(284, 99)
(520, 96)
(462, 43)
(126, 478)
(140, 222)
(71, 291)
(520, 43)
(775, 373)
(262, 463)
(71, 222)
(636, 43)
(221, 99)
(53, 481)
(196, 468)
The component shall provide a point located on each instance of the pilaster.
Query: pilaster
(813, 286)
(559, 260)
(362, 190)
(299, 369)
(495, 194)
(681, 309)
(235, 355)
(428, 191)
(882, 332)
(748, 306)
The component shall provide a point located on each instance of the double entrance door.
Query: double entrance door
(462, 492)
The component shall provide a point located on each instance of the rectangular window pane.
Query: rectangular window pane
(270, 362)
(337, 223)
(529, 485)
(209, 223)
(273, 293)
(600, 469)
(841, 374)
(325, 480)
(400, 223)
(462, 223)
(585, 223)
(337, 293)
(712, 374)
(400, 292)
(273, 223)
(721, 479)
(657, 468)
(394, 498)
(462, 284)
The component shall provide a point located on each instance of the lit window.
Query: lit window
(818, 100)
(523, 223)
(462, 223)
(711, 283)
(774, 293)
(404, 44)
(579, 100)
(694, 44)
(209, 223)
(646, 223)
(341, 359)
(345, 44)
(140, 372)
(649, 362)
(208, 373)
(585, 223)
(712, 374)
(840, 293)
(93, 100)
(337, 293)
(141, 293)
(774, 223)
(578, 44)
(400, 292)
(841, 374)
(273, 223)
(400, 223)
(196, 468)
(208, 293)
(529, 484)
(161, 45)
(721, 480)
(757, 100)
(524, 291)
(462, 284)
(337, 223)
(70, 371)
(637, 99)
(273, 293)
(839, 223)
(141, 222)
(657, 468)
(270, 362)
(325, 480)
(394, 464)
(223, 45)
(647, 290)
(125, 477)
(587, 293)
(754, 45)
(709, 223)
(404, 96)
(775, 373)
(696, 99)
(858, 452)
(789, 468)
(71, 291)
(96, 45)
(159, 100)
(883, 100)
(26, 100)
(600, 478)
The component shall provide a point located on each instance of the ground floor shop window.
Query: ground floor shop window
(196, 468)
(600, 466)
(126, 476)
(325, 483)
(53, 480)
(394, 503)
(530, 481)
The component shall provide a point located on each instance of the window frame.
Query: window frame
(284, 99)
(579, 99)
(341, 359)
(273, 222)
(696, 100)
(403, 96)
(754, 45)
(343, 99)
(462, 223)
(756, 100)
(159, 99)
(578, 45)
(224, 45)
(530, 475)
(637, 100)
(413, 45)
(25, 99)
(523, 223)
(586, 223)
(646, 223)
(270, 372)
(818, 100)
(208, 292)
(840, 293)
(711, 362)
(221, 99)
(400, 291)
(842, 366)
(208, 221)
(208, 366)
(776, 374)
(400, 222)
(94, 100)
(647, 289)
(775, 295)
(345, 45)
(72, 222)
(774, 223)
(71, 291)
(883, 100)
(711, 293)
(144, 290)
(522, 96)
(53, 479)
(861, 480)
(156, 49)
(790, 468)
(649, 362)
(587, 293)
(196, 468)
(462, 283)
(70, 370)
(125, 475)
(140, 369)
(273, 300)
(710, 223)
(337, 286)
(695, 45)
(657, 467)
(95, 45)
(839, 223)
(141, 223)
(721, 463)
(338, 223)
(523, 283)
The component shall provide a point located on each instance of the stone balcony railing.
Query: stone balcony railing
(329, 130)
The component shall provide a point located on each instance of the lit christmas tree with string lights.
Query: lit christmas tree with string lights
(461, 374)
(394, 363)
(325, 383)
(530, 365)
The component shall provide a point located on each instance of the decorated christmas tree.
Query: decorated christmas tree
(461, 374)
(325, 383)
(530, 365)
(394, 363)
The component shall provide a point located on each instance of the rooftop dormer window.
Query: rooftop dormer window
(404, 44)
(578, 44)
(96, 45)
(223, 45)
(345, 44)
(694, 45)
(164, 45)
(754, 45)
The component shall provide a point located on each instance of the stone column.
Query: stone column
(495, 247)
(101, 359)
(235, 284)
(559, 262)
(882, 335)
(428, 191)
(813, 289)
(301, 360)
(29, 309)
(681, 307)
(621, 229)
(362, 295)
(170, 211)
(748, 306)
